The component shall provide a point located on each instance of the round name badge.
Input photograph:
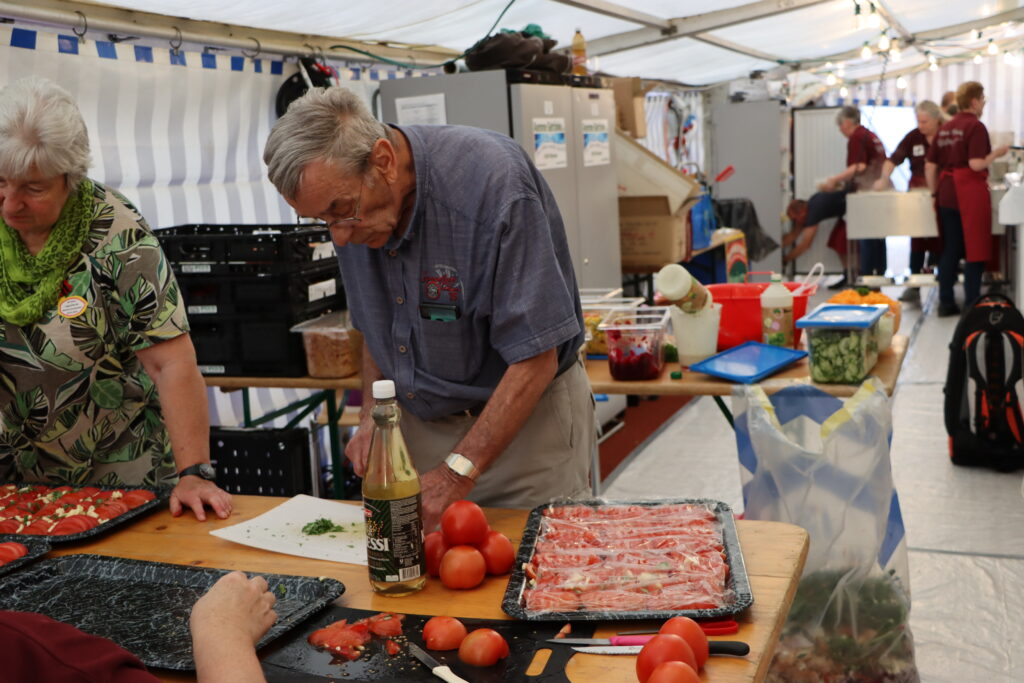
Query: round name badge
(71, 306)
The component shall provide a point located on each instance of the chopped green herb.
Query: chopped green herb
(320, 526)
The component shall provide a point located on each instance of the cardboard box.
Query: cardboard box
(629, 106)
(651, 234)
(641, 173)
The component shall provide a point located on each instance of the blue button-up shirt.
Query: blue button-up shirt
(485, 248)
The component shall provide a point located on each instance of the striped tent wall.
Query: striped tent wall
(181, 134)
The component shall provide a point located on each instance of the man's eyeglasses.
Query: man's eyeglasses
(355, 214)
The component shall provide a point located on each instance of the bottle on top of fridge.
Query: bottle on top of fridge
(579, 55)
(777, 313)
(391, 503)
(682, 289)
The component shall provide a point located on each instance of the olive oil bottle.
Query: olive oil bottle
(391, 503)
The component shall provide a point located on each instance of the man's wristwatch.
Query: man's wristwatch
(203, 469)
(462, 466)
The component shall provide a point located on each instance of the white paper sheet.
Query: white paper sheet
(280, 530)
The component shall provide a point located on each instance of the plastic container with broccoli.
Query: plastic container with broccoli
(842, 341)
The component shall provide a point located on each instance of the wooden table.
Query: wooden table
(698, 384)
(774, 554)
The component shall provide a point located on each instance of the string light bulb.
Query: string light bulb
(977, 59)
(831, 79)
(858, 16)
(931, 58)
(977, 34)
(933, 67)
(865, 52)
(894, 51)
(992, 48)
(874, 19)
(1008, 58)
(901, 83)
(844, 92)
(841, 69)
(884, 43)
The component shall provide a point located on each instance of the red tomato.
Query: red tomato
(462, 567)
(552, 600)
(463, 523)
(674, 672)
(443, 633)
(111, 509)
(662, 648)
(341, 638)
(434, 549)
(74, 524)
(690, 631)
(498, 553)
(9, 526)
(9, 552)
(38, 527)
(483, 647)
(391, 647)
(137, 497)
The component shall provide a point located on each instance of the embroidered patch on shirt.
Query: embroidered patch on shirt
(71, 306)
(442, 284)
(917, 151)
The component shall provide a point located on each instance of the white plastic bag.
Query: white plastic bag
(813, 460)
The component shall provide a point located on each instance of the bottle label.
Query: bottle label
(777, 325)
(394, 539)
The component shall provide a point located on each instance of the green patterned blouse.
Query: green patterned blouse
(76, 405)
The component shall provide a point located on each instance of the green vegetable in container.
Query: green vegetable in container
(842, 356)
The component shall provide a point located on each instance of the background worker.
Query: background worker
(913, 148)
(864, 157)
(957, 172)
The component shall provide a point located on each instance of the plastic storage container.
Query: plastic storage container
(333, 347)
(588, 294)
(594, 311)
(843, 342)
(741, 311)
(635, 339)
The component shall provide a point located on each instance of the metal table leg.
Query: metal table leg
(725, 410)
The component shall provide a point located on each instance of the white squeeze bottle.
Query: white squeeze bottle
(681, 288)
(777, 314)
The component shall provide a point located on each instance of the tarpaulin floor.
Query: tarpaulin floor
(963, 525)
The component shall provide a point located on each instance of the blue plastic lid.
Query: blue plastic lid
(748, 362)
(836, 315)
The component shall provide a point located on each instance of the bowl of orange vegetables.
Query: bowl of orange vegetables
(862, 296)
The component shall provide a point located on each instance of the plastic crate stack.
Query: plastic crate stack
(245, 286)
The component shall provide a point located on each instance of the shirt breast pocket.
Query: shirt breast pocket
(446, 349)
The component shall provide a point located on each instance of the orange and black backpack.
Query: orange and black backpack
(985, 388)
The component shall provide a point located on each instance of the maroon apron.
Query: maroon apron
(975, 202)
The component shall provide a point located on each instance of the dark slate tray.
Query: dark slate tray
(162, 495)
(37, 547)
(293, 659)
(738, 581)
(144, 606)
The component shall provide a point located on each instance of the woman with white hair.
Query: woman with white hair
(98, 375)
(913, 148)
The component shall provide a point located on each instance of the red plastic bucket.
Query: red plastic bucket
(741, 311)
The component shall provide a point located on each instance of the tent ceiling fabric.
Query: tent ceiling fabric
(810, 33)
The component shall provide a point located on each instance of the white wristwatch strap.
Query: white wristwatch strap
(462, 465)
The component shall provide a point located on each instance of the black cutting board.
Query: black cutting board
(144, 606)
(292, 658)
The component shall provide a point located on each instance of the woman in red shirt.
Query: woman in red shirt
(957, 172)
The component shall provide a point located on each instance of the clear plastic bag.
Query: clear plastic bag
(813, 460)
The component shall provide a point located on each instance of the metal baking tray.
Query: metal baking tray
(144, 606)
(738, 581)
(162, 494)
(37, 547)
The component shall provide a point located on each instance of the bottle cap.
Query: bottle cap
(383, 389)
(776, 277)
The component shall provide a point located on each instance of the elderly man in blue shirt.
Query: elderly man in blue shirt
(457, 272)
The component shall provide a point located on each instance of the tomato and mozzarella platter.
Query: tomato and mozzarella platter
(58, 511)
(627, 558)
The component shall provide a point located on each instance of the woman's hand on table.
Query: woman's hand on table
(195, 492)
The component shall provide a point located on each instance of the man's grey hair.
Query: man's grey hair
(41, 127)
(330, 124)
(929, 108)
(848, 113)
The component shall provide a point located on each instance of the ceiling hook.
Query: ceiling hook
(176, 42)
(259, 49)
(85, 27)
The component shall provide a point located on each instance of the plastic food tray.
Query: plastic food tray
(37, 547)
(749, 362)
(144, 606)
(162, 495)
(738, 581)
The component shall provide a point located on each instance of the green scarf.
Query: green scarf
(30, 285)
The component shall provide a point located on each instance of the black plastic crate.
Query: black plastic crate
(223, 249)
(292, 297)
(257, 347)
(262, 462)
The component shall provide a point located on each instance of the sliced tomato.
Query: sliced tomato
(74, 524)
(40, 527)
(111, 509)
(341, 639)
(9, 526)
(540, 600)
(137, 497)
(11, 551)
(89, 491)
(391, 647)
(385, 624)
